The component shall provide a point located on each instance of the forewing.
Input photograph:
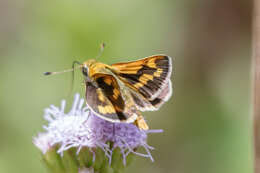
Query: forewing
(99, 103)
(105, 98)
(164, 95)
(141, 102)
(148, 76)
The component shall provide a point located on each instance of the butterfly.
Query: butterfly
(118, 92)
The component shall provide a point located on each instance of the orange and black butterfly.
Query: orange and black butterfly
(119, 91)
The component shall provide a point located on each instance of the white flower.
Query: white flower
(82, 128)
(42, 141)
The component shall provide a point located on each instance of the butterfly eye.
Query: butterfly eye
(85, 71)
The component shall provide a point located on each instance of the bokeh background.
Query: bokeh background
(207, 122)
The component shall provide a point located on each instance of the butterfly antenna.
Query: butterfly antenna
(73, 75)
(57, 72)
(48, 73)
(101, 50)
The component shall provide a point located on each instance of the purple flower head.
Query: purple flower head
(81, 128)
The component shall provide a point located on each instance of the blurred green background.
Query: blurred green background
(207, 122)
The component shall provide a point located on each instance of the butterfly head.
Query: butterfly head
(86, 66)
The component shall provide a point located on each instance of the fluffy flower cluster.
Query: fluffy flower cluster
(82, 128)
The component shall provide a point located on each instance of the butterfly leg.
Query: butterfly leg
(140, 122)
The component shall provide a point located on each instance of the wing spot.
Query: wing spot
(138, 85)
(158, 72)
(107, 80)
(143, 80)
(115, 93)
(101, 109)
(101, 96)
(151, 63)
(146, 77)
(106, 109)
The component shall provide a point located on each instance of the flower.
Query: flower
(42, 141)
(81, 128)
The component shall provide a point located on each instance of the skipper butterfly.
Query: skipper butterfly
(119, 91)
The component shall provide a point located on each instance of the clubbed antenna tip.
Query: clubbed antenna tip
(47, 73)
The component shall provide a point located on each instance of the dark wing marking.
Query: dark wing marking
(111, 90)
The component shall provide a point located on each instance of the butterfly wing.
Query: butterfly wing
(144, 104)
(103, 96)
(164, 95)
(148, 79)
